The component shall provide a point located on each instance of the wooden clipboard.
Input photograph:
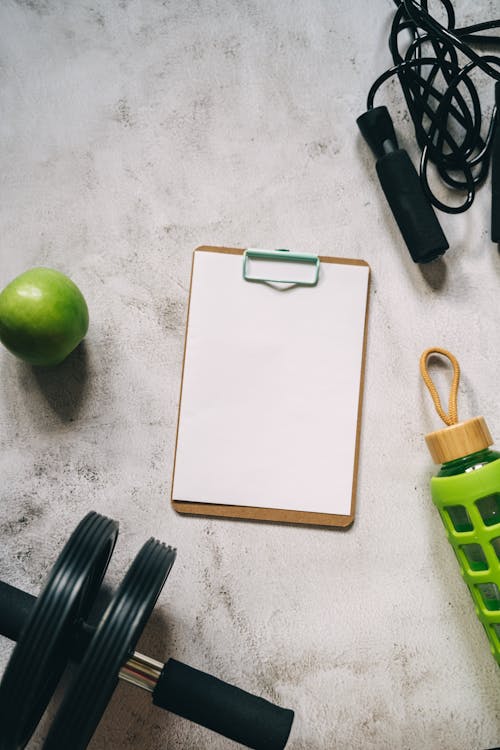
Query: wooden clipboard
(282, 515)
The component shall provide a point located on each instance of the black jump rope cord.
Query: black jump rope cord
(447, 122)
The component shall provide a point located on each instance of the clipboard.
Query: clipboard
(238, 301)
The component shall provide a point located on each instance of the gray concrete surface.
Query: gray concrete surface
(131, 132)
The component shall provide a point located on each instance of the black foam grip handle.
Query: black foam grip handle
(245, 718)
(15, 609)
(495, 173)
(413, 212)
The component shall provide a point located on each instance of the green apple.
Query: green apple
(43, 316)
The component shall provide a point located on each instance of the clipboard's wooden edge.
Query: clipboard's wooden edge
(360, 399)
(172, 501)
(240, 251)
(262, 514)
(271, 514)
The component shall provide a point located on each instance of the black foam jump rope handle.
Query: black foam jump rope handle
(413, 212)
(240, 716)
(495, 173)
(15, 609)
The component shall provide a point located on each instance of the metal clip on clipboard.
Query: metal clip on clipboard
(281, 254)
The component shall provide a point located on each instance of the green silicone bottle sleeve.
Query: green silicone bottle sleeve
(469, 506)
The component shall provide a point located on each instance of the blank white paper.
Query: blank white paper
(269, 405)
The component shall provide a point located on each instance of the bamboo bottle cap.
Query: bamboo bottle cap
(458, 440)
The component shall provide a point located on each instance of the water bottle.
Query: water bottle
(466, 492)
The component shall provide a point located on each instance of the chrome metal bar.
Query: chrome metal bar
(141, 671)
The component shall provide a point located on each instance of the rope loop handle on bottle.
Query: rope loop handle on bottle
(451, 417)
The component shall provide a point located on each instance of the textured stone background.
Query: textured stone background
(131, 132)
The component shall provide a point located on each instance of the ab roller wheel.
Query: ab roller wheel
(51, 630)
(44, 645)
(112, 644)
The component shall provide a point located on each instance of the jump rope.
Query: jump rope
(436, 63)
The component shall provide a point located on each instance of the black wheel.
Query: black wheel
(45, 643)
(111, 645)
